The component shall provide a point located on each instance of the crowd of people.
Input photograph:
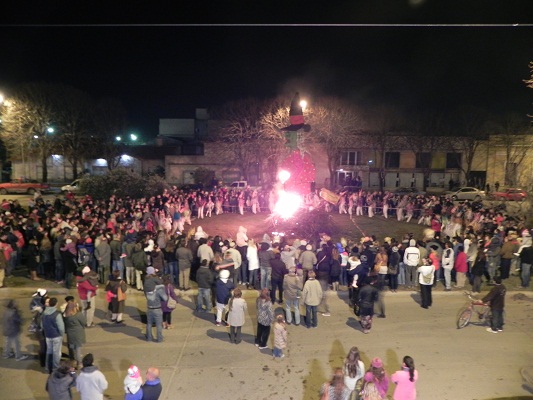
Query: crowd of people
(353, 382)
(122, 244)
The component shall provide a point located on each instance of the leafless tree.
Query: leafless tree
(515, 136)
(335, 124)
(27, 120)
(382, 126)
(110, 122)
(468, 130)
(425, 139)
(75, 116)
(241, 132)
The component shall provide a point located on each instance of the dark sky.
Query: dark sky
(164, 63)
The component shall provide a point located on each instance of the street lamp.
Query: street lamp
(118, 138)
(50, 130)
(133, 137)
(303, 104)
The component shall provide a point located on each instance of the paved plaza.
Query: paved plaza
(197, 360)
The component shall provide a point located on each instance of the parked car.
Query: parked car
(71, 187)
(465, 193)
(23, 185)
(513, 194)
(402, 191)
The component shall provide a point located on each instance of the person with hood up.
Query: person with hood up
(154, 291)
(133, 384)
(60, 382)
(91, 383)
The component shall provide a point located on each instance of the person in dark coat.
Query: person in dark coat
(116, 306)
(75, 323)
(12, 323)
(60, 381)
(152, 387)
(368, 295)
(279, 270)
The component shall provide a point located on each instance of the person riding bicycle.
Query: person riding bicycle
(496, 301)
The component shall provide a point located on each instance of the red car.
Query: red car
(22, 185)
(510, 194)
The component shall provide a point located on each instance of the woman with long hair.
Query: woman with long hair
(335, 389)
(236, 316)
(118, 300)
(167, 311)
(405, 380)
(75, 328)
(354, 370)
(265, 317)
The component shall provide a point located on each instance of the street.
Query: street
(198, 362)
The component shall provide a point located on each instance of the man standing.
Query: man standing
(311, 296)
(496, 299)
(526, 259)
(116, 252)
(91, 383)
(152, 387)
(278, 272)
(292, 286)
(53, 330)
(102, 252)
(204, 278)
(154, 291)
(308, 260)
(411, 257)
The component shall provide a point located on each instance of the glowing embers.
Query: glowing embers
(288, 204)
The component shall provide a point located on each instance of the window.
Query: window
(453, 160)
(423, 160)
(392, 159)
(350, 158)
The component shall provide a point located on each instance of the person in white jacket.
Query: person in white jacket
(91, 383)
(447, 264)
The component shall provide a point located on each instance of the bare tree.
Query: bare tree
(515, 136)
(382, 125)
(110, 122)
(75, 122)
(276, 115)
(28, 123)
(241, 132)
(425, 140)
(468, 130)
(335, 124)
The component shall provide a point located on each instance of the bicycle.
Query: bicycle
(481, 309)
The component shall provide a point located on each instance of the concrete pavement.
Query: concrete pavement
(197, 360)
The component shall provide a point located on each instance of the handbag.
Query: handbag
(121, 296)
(171, 303)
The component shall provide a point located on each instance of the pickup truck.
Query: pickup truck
(23, 185)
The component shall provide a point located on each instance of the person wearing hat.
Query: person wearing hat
(292, 287)
(376, 381)
(308, 260)
(224, 287)
(133, 384)
(91, 383)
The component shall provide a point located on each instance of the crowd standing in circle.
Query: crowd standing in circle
(122, 244)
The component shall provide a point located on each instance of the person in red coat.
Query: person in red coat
(87, 286)
(461, 267)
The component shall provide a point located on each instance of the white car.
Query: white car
(466, 193)
(72, 187)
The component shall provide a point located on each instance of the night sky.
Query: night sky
(165, 63)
